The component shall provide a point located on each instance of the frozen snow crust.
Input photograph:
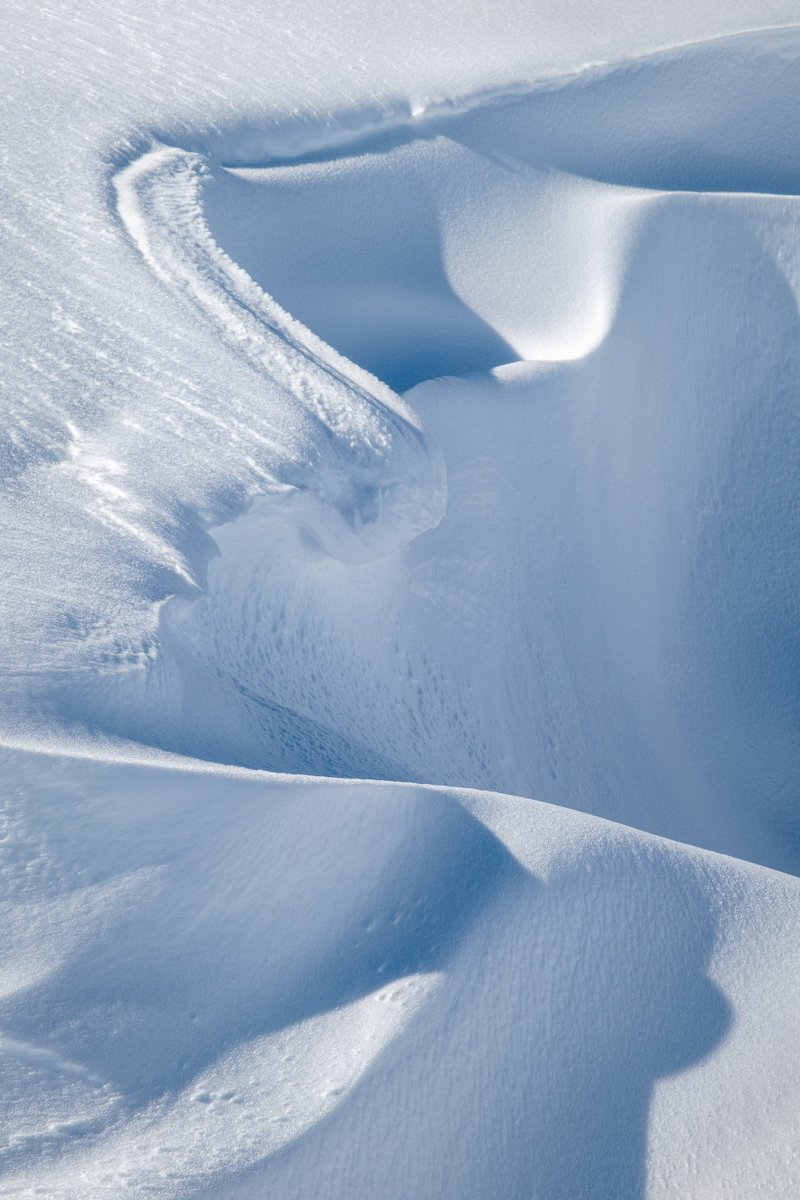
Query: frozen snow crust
(272, 622)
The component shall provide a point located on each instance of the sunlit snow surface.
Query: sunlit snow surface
(399, 634)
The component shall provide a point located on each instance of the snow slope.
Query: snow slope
(562, 566)
(646, 664)
(382, 987)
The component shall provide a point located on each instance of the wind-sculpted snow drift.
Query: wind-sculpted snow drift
(463, 241)
(376, 479)
(219, 981)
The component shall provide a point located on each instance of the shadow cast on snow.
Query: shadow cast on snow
(356, 253)
(532, 1066)
(584, 990)
(583, 993)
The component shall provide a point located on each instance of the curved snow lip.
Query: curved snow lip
(376, 479)
(372, 479)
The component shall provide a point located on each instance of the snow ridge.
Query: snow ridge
(376, 479)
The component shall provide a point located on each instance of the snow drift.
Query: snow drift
(582, 964)
(276, 638)
(651, 574)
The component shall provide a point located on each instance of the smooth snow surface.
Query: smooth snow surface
(399, 731)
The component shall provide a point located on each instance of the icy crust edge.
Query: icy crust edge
(370, 479)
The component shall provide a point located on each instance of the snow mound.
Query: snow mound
(350, 978)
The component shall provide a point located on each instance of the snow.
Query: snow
(399, 626)
(473, 972)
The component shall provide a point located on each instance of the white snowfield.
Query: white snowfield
(400, 649)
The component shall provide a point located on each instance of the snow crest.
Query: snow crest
(375, 480)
